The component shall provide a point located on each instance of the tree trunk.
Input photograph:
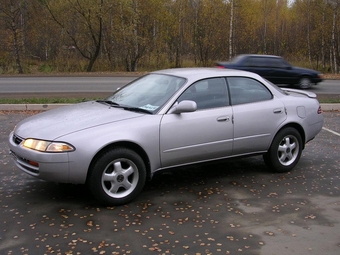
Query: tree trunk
(231, 29)
(97, 43)
(335, 14)
(13, 15)
(17, 52)
(323, 35)
(308, 37)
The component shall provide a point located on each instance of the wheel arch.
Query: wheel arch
(305, 75)
(124, 144)
(299, 128)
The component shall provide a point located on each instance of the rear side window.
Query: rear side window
(246, 90)
(256, 62)
(276, 63)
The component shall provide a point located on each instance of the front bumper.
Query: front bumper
(47, 166)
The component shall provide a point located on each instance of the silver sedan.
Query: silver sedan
(166, 119)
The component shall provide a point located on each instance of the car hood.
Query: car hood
(69, 119)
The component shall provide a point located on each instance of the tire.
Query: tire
(117, 177)
(285, 151)
(305, 83)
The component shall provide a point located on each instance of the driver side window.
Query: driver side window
(207, 93)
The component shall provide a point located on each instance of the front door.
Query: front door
(202, 135)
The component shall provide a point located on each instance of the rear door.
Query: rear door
(280, 72)
(273, 69)
(256, 115)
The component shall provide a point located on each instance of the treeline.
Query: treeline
(131, 35)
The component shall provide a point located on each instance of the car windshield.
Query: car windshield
(148, 93)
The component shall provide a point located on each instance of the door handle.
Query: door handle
(223, 118)
(278, 110)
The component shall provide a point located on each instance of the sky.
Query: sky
(290, 2)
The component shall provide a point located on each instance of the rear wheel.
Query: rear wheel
(305, 83)
(285, 151)
(117, 176)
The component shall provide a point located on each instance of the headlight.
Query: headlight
(47, 146)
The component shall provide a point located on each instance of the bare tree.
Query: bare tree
(11, 11)
(231, 29)
(335, 4)
(90, 15)
(117, 34)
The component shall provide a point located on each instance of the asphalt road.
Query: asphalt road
(102, 87)
(70, 84)
(235, 207)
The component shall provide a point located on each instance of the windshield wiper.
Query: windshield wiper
(129, 108)
(108, 102)
(136, 109)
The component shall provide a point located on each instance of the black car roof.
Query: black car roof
(259, 55)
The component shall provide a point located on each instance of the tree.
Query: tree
(83, 23)
(177, 15)
(138, 34)
(133, 39)
(335, 7)
(11, 13)
(231, 28)
(210, 30)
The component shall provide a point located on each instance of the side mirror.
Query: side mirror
(184, 106)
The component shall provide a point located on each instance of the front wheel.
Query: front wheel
(285, 151)
(117, 176)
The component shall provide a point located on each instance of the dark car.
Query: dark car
(275, 69)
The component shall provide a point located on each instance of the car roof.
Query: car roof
(198, 73)
(259, 55)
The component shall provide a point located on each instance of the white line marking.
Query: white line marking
(331, 131)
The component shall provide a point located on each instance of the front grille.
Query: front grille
(17, 139)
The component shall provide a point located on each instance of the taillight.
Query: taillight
(319, 110)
